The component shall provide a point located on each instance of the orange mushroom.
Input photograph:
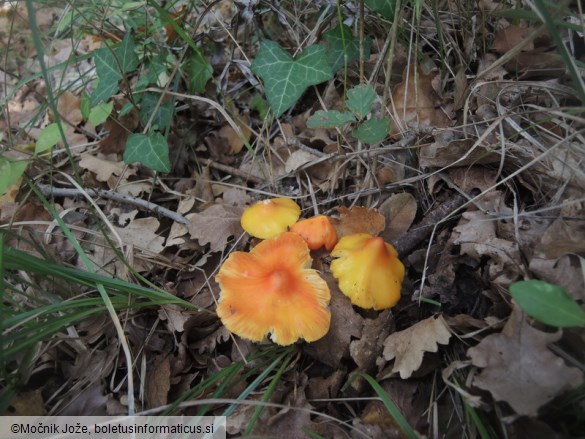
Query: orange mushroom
(317, 232)
(368, 270)
(273, 290)
(269, 218)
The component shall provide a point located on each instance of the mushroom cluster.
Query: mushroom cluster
(272, 290)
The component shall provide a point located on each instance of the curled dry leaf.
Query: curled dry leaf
(508, 38)
(399, 211)
(408, 347)
(368, 347)
(416, 101)
(519, 368)
(478, 237)
(69, 108)
(358, 220)
(233, 139)
(298, 159)
(119, 127)
(158, 382)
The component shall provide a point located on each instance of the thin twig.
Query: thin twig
(47, 191)
(406, 140)
(411, 240)
(230, 170)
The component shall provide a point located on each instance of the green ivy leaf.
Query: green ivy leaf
(106, 65)
(360, 99)
(547, 303)
(150, 150)
(111, 63)
(99, 114)
(84, 106)
(48, 137)
(259, 104)
(286, 79)
(386, 8)
(344, 48)
(126, 54)
(104, 91)
(164, 112)
(373, 130)
(329, 119)
(10, 172)
(199, 72)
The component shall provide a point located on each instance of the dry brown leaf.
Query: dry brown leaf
(325, 387)
(141, 233)
(235, 196)
(345, 325)
(91, 401)
(519, 368)
(175, 316)
(508, 38)
(69, 108)
(208, 343)
(368, 347)
(399, 211)
(412, 400)
(158, 382)
(358, 220)
(408, 346)
(416, 101)
(215, 225)
(104, 169)
(449, 150)
(288, 424)
(120, 127)
(565, 272)
(477, 236)
(28, 404)
(298, 159)
(233, 139)
(92, 365)
(474, 177)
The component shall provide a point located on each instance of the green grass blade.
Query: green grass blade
(392, 408)
(254, 384)
(267, 394)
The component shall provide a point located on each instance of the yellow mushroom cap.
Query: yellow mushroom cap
(273, 290)
(368, 270)
(317, 232)
(269, 218)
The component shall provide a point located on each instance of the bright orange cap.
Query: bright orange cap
(273, 290)
(317, 232)
(368, 270)
(269, 218)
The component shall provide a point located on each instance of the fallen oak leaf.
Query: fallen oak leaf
(358, 220)
(215, 225)
(408, 347)
(104, 169)
(141, 233)
(518, 367)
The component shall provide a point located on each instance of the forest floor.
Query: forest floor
(134, 135)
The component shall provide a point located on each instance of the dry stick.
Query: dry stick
(230, 170)
(47, 191)
(406, 140)
(407, 243)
